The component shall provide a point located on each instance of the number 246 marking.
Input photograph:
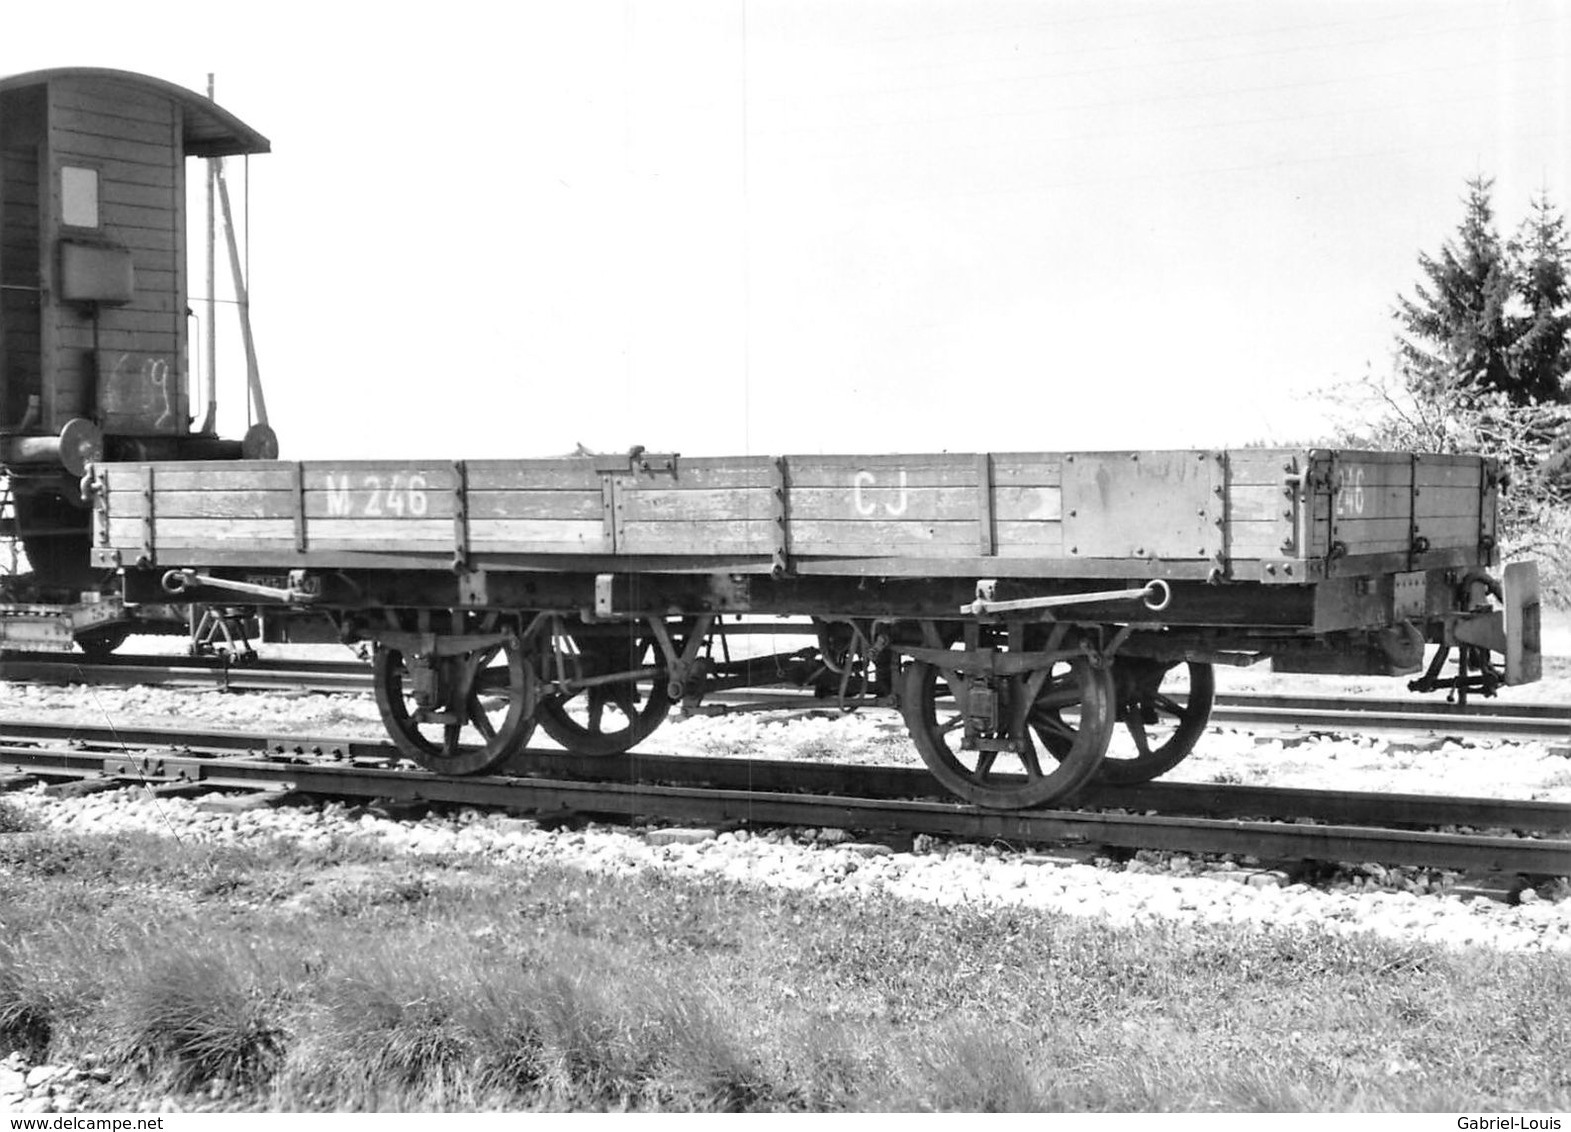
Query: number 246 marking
(1350, 491)
(402, 495)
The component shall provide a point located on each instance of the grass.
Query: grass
(12, 819)
(342, 977)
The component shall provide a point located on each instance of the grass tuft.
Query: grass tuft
(13, 819)
(195, 1020)
(26, 1014)
(969, 1066)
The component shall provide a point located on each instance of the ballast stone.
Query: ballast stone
(677, 836)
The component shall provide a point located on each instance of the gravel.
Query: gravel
(1400, 903)
(822, 862)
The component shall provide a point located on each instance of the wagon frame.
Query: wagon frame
(1019, 607)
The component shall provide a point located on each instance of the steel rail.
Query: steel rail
(1493, 717)
(199, 749)
(647, 796)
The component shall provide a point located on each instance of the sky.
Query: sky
(770, 226)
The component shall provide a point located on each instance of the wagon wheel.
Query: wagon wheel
(481, 709)
(1069, 705)
(1162, 723)
(611, 717)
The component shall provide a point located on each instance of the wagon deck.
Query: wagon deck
(1274, 516)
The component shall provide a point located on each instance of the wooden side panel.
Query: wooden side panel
(1144, 505)
(929, 506)
(1261, 503)
(274, 507)
(709, 506)
(536, 507)
(872, 506)
(1453, 506)
(1369, 503)
(1372, 503)
(939, 514)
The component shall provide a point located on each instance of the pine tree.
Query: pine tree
(1482, 365)
(1456, 332)
(1541, 266)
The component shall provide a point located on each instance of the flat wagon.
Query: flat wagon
(1023, 610)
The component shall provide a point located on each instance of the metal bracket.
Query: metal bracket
(147, 558)
(639, 462)
(303, 587)
(460, 517)
(780, 564)
(1156, 595)
(474, 588)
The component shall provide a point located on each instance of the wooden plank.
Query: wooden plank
(699, 537)
(532, 475)
(653, 504)
(217, 475)
(158, 243)
(1014, 469)
(852, 504)
(110, 151)
(1464, 474)
(1258, 505)
(108, 98)
(1261, 467)
(1374, 536)
(812, 536)
(117, 216)
(122, 352)
(394, 504)
(76, 119)
(1248, 539)
(206, 504)
(892, 472)
(706, 475)
(577, 533)
(1019, 539)
(1448, 500)
(118, 325)
(125, 530)
(277, 503)
(1450, 530)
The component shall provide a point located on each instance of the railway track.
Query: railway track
(1476, 834)
(1545, 721)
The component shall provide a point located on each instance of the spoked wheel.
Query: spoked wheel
(627, 701)
(1162, 720)
(460, 714)
(1069, 706)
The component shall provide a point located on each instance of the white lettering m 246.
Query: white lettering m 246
(376, 496)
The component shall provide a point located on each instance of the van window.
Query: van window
(78, 196)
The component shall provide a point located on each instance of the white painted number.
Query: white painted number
(1350, 491)
(399, 498)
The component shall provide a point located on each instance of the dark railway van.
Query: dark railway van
(93, 301)
(1041, 619)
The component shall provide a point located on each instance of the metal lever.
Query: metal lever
(1156, 594)
(178, 581)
